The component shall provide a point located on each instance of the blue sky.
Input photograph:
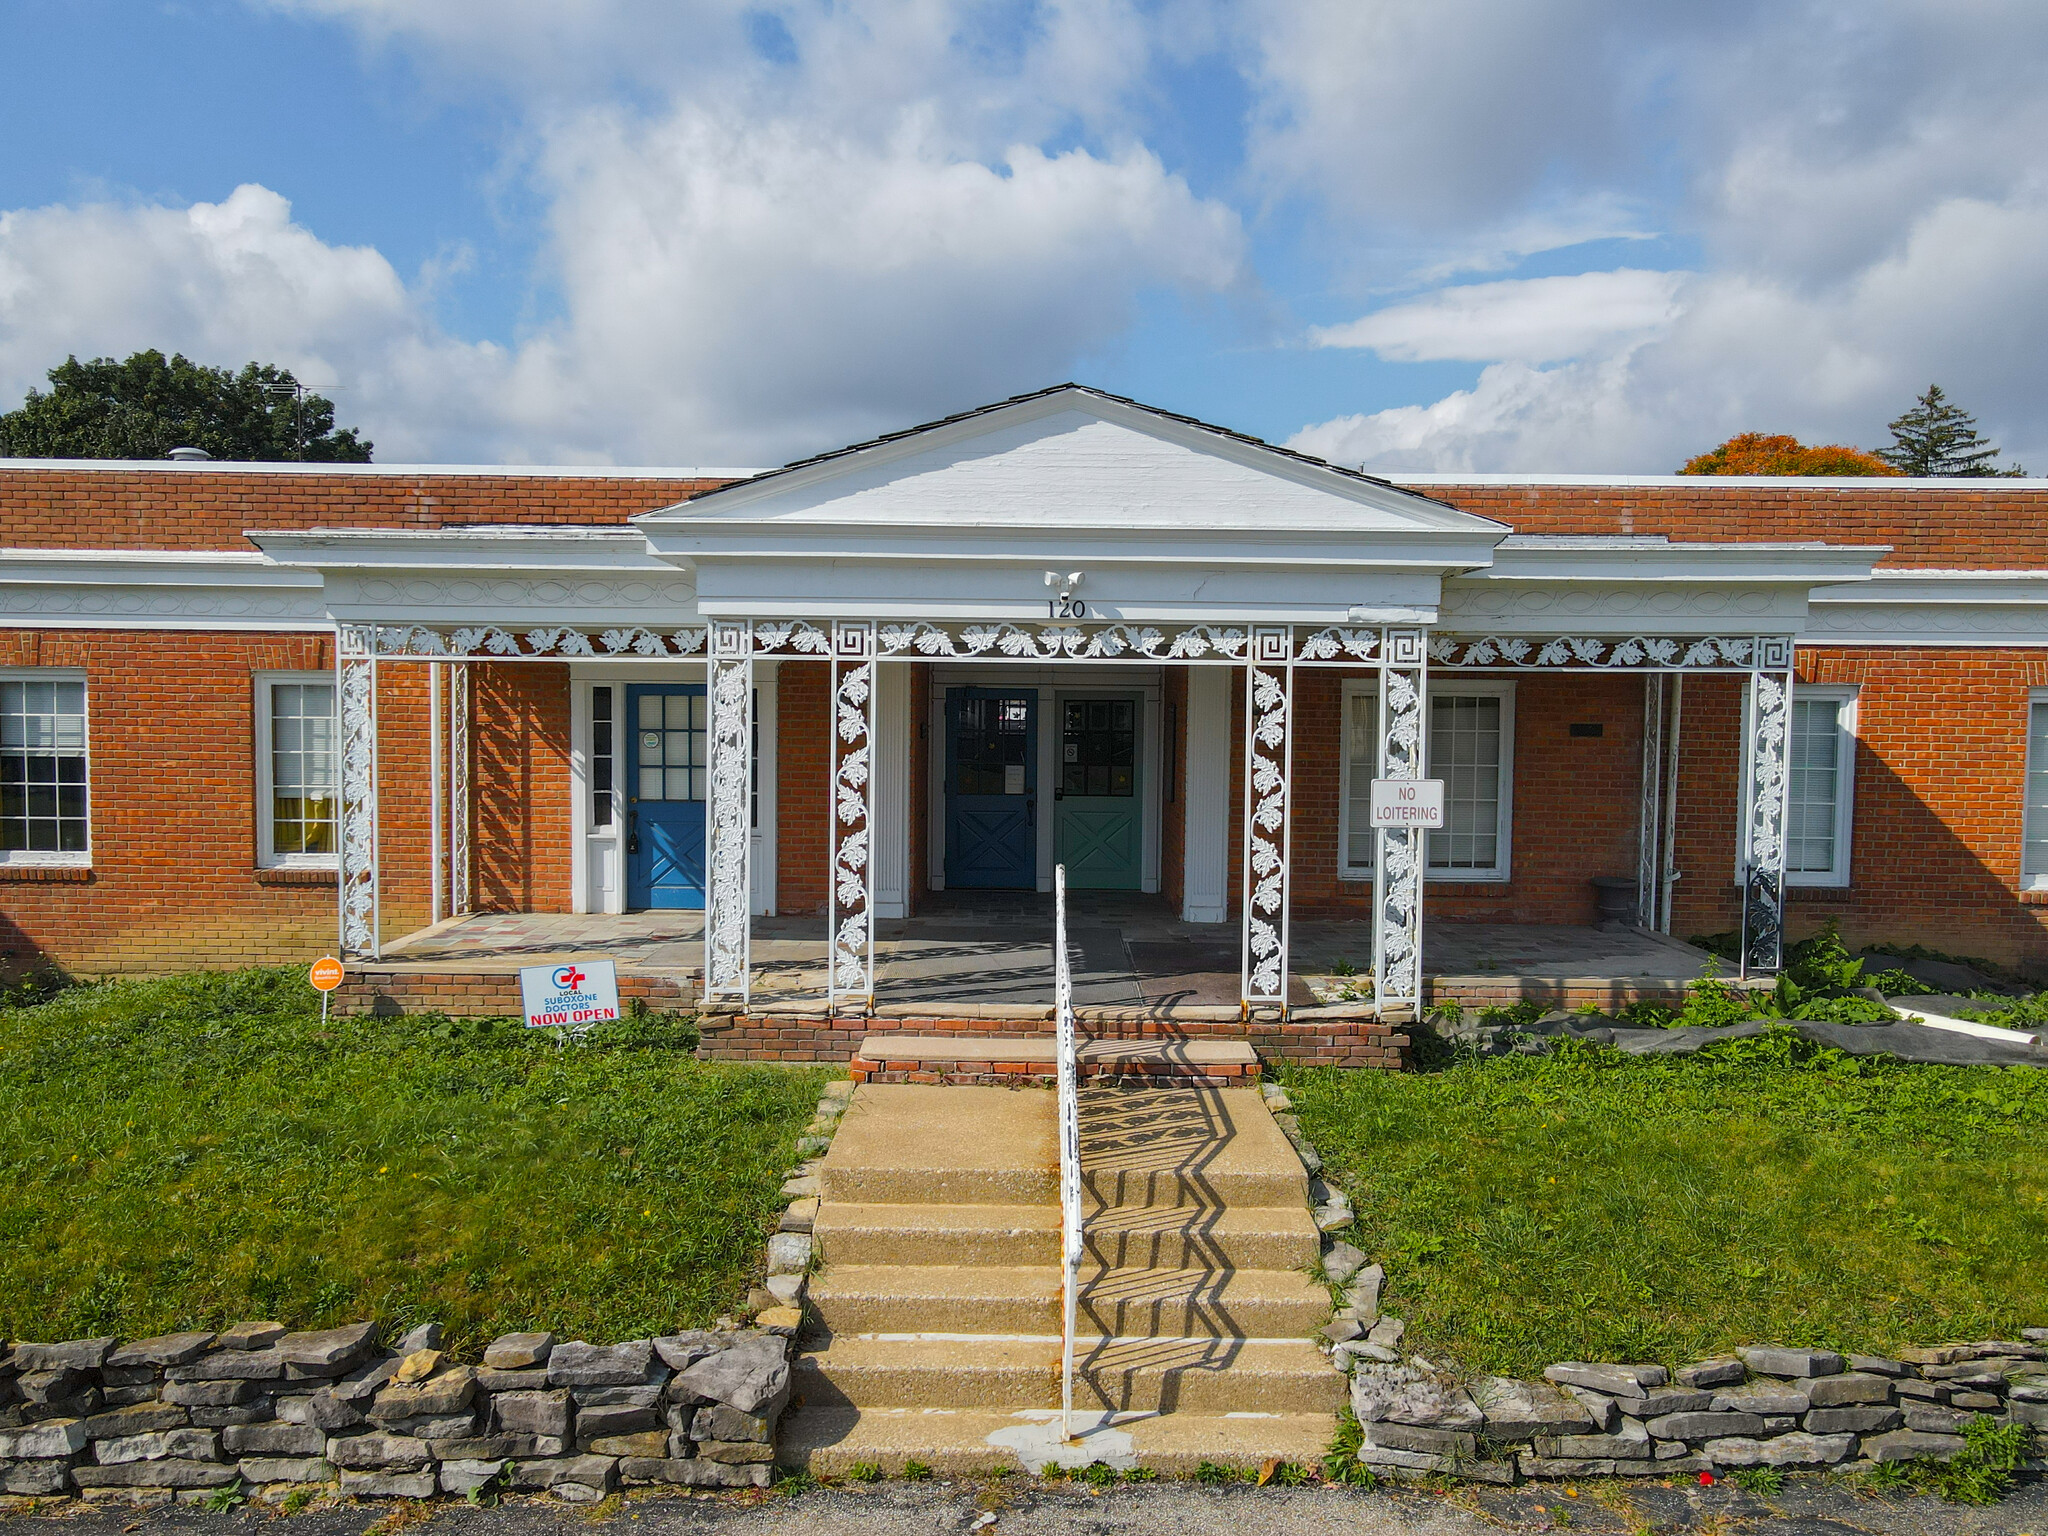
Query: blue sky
(1539, 235)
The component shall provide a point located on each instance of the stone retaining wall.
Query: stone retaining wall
(185, 1415)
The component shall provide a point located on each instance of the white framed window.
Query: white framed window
(298, 770)
(2034, 847)
(1471, 748)
(45, 811)
(1820, 769)
(1820, 783)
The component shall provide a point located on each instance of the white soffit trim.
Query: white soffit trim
(1564, 557)
(1933, 607)
(489, 547)
(156, 589)
(374, 471)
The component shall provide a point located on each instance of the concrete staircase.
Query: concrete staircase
(939, 1302)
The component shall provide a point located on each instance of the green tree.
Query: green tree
(1938, 440)
(147, 405)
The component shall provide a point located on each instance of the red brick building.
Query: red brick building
(253, 713)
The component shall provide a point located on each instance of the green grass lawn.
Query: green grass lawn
(190, 1151)
(1590, 1206)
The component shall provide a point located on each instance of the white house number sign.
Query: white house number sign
(1408, 803)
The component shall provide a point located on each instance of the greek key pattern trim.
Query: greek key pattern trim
(1763, 833)
(850, 952)
(1268, 754)
(357, 875)
(1398, 868)
(728, 888)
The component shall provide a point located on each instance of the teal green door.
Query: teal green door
(1100, 824)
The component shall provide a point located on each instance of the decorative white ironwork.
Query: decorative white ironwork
(1268, 770)
(1703, 653)
(1402, 851)
(850, 902)
(1078, 642)
(728, 893)
(1072, 1235)
(1333, 643)
(459, 900)
(1763, 830)
(488, 640)
(1649, 816)
(356, 664)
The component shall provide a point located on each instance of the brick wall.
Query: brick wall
(802, 690)
(1964, 524)
(174, 882)
(523, 829)
(211, 508)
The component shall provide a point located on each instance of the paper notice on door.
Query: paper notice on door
(1013, 779)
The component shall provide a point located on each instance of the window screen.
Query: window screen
(1814, 798)
(2035, 858)
(601, 756)
(1466, 751)
(42, 767)
(672, 748)
(302, 768)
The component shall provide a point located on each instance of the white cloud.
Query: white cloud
(1531, 320)
(226, 282)
(1963, 302)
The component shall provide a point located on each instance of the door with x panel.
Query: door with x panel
(665, 796)
(991, 789)
(1100, 829)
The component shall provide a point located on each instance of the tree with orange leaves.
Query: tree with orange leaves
(1765, 453)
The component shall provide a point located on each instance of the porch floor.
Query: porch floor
(990, 954)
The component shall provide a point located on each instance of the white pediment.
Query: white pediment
(1075, 460)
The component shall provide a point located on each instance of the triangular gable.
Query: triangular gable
(1072, 457)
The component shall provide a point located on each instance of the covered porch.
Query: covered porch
(988, 955)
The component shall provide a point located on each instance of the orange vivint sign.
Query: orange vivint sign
(326, 973)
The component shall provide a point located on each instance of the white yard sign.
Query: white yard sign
(573, 995)
(1408, 803)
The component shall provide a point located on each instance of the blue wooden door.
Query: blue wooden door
(991, 789)
(665, 794)
(1100, 831)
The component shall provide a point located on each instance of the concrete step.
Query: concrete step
(1026, 1299)
(1187, 1146)
(966, 1440)
(914, 1145)
(893, 1057)
(1201, 1237)
(1146, 1375)
(1167, 1237)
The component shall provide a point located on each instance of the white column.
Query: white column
(1398, 871)
(1205, 797)
(1268, 824)
(850, 881)
(355, 664)
(438, 882)
(892, 789)
(458, 792)
(728, 926)
(1763, 821)
(1650, 807)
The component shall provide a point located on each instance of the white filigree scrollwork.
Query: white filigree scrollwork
(925, 639)
(1401, 851)
(851, 901)
(1763, 832)
(357, 875)
(728, 892)
(796, 636)
(688, 642)
(641, 642)
(1268, 747)
(459, 899)
(1707, 653)
(1327, 644)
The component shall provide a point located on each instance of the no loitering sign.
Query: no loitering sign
(573, 995)
(1408, 803)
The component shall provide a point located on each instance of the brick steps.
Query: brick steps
(969, 1059)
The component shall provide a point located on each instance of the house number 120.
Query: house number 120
(1067, 606)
